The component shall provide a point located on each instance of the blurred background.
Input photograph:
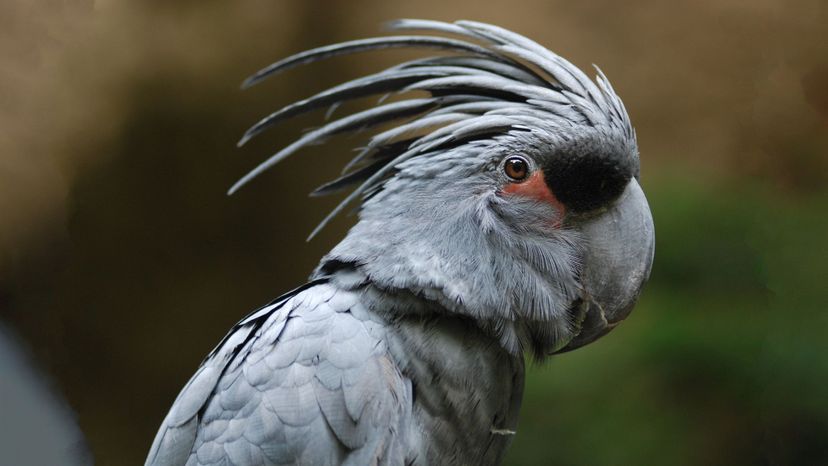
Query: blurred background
(122, 262)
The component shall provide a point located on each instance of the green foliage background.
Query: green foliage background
(122, 262)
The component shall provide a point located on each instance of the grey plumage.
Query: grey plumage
(406, 347)
(255, 402)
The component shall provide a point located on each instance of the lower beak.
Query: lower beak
(619, 256)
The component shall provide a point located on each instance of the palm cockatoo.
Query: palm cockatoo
(500, 215)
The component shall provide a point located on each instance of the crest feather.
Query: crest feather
(492, 82)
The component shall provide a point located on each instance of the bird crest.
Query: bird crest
(490, 82)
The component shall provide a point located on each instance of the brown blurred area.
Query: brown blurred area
(122, 262)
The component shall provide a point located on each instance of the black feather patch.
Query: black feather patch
(585, 176)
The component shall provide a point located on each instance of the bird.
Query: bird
(499, 222)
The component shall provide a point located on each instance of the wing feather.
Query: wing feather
(297, 381)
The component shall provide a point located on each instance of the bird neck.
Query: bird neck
(466, 388)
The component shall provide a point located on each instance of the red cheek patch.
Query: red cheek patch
(535, 188)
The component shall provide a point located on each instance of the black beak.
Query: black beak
(617, 263)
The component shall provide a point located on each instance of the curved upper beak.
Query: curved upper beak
(617, 263)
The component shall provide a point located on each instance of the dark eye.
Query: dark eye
(516, 168)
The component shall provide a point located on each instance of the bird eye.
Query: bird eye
(516, 168)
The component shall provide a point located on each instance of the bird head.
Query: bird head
(505, 191)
